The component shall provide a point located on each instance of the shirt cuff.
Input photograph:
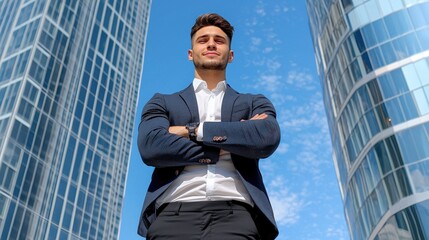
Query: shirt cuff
(200, 132)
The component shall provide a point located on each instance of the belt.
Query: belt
(204, 206)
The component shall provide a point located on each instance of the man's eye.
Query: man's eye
(220, 40)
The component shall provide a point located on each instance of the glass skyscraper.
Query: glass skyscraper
(69, 80)
(373, 63)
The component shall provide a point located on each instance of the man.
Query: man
(205, 143)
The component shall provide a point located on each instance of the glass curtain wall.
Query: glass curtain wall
(373, 64)
(69, 81)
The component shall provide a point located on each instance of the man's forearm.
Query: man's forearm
(159, 148)
(183, 131)
(251, 139)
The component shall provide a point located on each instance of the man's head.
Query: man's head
(213, 19)
(211, 43)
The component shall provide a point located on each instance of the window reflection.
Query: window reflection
(420, 176)
(380, 31)
(393, 84)
(419, 16)
(398, 23)
(409, 223)
(376, 57)
(406, 46)
(389, 157)
(423, 36)
(422, 101)
(404, 185)
(401, 105)
(391, 231)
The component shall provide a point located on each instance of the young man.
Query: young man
(205, 143)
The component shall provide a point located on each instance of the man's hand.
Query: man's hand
(179, 130)
(258, 117)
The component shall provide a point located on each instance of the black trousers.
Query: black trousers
(224, 220)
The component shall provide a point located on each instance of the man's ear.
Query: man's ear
(190, 55)
(231, 56)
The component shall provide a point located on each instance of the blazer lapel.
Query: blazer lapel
(188, 95)
(228, 103)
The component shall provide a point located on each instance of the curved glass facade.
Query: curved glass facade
(69, 81)
(373, 62)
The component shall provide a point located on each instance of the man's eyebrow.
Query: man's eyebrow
(208, 35)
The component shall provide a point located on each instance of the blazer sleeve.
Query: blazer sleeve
(249, 138)
(159, 148)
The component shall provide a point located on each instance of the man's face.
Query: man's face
(210, 49)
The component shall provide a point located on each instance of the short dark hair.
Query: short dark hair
(213, 19)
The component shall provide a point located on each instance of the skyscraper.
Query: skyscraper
(69, 81)
(373, 63)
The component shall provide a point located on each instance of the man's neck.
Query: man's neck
(211, 77)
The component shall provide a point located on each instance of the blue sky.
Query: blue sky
(273, 56)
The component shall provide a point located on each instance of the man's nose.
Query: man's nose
(211, 44)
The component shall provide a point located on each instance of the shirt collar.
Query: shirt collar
(199, 84)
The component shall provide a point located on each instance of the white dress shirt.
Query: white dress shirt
(213, 182)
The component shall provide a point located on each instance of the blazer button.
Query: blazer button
(205, 160)
(219, 138)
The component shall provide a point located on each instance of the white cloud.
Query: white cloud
(286, 9)
(270, 82)
(273, 65)
(301, 80)
(256, 41)
(255, 44)
(260, 11)
(286, 205)
(309, 163)
(304, 129)
(276, 8)
(334, 232)
(310, 112)
(282, 148)
(267, 50)
(251, 22)
(280, 98)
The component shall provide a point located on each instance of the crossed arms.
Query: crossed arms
(163, 145)
(183, 132)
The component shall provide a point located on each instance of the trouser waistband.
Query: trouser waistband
(204, 206)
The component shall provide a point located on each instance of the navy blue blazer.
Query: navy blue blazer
(247, 141)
